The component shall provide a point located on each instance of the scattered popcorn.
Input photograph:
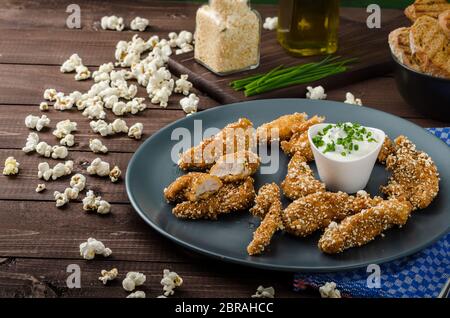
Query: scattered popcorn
(119, 126)
(139, 24)
(78, 181)
(136, 131)
(63, 102)
(161, 96)
(103, 207)
(190, 104)
(132, 280)
(50, 94)
(112, 23)
(270, 23)
(92, 247)
(95, 203)
(44, 149)
(110, 101)
(66, 196)
(119, 108)
(97, 146)
(11, 166)
(329, 290)
(350, 99)
(59, 170)
(94, 111)
(99, 167)
(261, 292)
(89, 203)
(40, 187)
(59, 152)
(115, 174)
(83, 73)
(60, 198)
(138, 294)
(68, 140)
(185, 48)
(75, 96)
(71, 64)
(136, 105)
(34, 122)
(32, 141)
(182, 85)
(64, 128)
(102, 74)
(101, 127)
(170, 281)
(316, 92)
(183, 38)
(129, 53)
(108, 275)
(43, 106)
(44, 171)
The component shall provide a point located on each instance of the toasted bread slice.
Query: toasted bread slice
(426, 38)
(400, 47)
(431, 8)
(444, 22)
(430, 46)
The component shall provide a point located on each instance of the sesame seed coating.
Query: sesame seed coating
(231, 197)
(237, 136)
(268, 207)
(300, 180)
(363, 227)
(414, 175)
(316, 211)
(299, 142)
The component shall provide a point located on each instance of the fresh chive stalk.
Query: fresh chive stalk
(280, 76)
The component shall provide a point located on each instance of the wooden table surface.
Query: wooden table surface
(37, 240)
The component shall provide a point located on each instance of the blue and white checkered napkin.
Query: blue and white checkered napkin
(420, 275)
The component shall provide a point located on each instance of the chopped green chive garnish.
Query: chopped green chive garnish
(353, 133)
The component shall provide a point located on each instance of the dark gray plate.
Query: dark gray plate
(151, 169)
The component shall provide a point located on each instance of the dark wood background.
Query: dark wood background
(37, 240)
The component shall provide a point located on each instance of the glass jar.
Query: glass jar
(227, 36)
(308, 27)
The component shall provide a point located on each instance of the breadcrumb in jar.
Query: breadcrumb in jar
(227, 36)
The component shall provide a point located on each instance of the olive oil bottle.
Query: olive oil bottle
(308, 27)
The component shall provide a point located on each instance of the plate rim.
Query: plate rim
(269, 266)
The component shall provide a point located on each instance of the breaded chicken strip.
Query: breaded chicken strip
(414, 175)
(280, 128)
(387, 149)
(300, 180)
(361, 228)
(268, 206)
(299, 141)
(236, 166)
(316, 211)
(231, 197)
(237, 136)
(192, 187)
(267, 194)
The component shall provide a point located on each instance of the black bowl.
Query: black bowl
(428, 94)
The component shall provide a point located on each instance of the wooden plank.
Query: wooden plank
(40, 230)
(22, 186)
(13, 132)
(369, 46)
(51, 14)
(49, 42)
(18, 285)
(25, 85)
(205, 279)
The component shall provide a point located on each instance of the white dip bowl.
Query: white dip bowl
(343, 174)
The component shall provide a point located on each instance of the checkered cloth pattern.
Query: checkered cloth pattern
(420, 275)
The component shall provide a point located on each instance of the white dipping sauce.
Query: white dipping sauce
(346, 141)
